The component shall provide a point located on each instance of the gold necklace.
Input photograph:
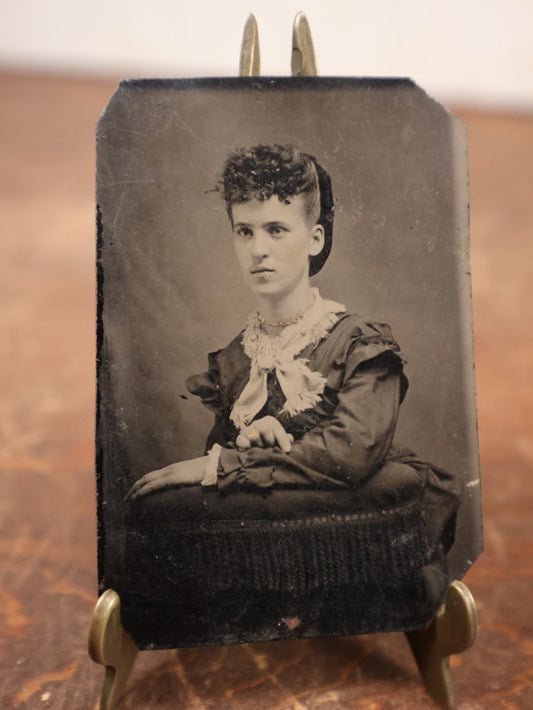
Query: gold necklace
(286, 321)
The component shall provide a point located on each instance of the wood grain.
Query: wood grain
(47, 512)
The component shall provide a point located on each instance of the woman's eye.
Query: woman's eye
(275, 231)
(244, 232)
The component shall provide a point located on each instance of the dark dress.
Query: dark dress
(340, 443)
(347, 532)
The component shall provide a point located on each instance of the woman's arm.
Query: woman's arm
(184, 473)
(342, 451)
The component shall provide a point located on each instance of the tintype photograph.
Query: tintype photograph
(286, 423)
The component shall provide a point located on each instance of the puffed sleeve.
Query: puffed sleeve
(206, 385)
(344, 449)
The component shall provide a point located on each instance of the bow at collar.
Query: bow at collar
(301, 386)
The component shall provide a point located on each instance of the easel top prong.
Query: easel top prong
(250, 58)
(303, 61)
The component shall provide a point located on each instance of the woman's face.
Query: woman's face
(273, 242)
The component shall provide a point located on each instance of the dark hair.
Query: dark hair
(263, 171)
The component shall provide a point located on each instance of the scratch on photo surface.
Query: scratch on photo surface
(183, 124)
(119, 207)
(135, 133)
(138, 181)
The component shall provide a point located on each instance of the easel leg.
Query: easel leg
(452, 631)
(110, 645)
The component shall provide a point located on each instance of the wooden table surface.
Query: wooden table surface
(47, 510)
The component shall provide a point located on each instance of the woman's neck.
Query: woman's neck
(285, 309)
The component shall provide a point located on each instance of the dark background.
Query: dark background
(171, 290)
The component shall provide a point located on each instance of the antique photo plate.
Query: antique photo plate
(315, 540)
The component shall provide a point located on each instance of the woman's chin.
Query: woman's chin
(264, 287)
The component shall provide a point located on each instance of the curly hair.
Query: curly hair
(263, 171)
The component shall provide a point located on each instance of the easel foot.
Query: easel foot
(110, 645)
(452, 631)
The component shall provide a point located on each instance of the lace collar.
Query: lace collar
(301, 386)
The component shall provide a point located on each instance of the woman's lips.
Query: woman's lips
(262, 270)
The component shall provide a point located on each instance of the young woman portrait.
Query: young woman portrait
(307, 395)
(285, 420)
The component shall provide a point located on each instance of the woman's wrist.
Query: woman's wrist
(210, 471)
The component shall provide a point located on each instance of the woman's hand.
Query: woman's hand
(266, 431)
(177, 474)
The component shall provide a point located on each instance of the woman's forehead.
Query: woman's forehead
(273, 209)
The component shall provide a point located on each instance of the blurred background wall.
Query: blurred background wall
(477, 53)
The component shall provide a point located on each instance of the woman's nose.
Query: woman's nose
(259, 245)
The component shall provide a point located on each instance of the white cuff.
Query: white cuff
(210, 475)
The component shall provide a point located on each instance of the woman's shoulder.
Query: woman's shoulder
(354, 326)
(352, 340)
(352, 330)
(231, 352)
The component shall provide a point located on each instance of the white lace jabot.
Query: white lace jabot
(301, 386)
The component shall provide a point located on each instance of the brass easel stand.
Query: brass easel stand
(110, 645)
(453, 629)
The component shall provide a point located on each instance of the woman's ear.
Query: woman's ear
(317, 240)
